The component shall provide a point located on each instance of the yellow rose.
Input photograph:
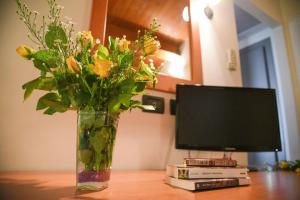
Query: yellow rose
(284, 164)
(25, 51)
(122, 44)
(86, 38)
(151, 45)
(72, 65)
(101, 67)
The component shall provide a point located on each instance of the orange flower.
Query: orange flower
(101, 67)
(73, 65)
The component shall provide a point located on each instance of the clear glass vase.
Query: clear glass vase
(96, 133)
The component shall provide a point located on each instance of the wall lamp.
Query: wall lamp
(208, 10)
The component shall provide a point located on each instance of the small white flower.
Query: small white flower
(151, 61)
(151, 65)
(98, 41)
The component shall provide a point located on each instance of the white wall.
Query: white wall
(294, 29)
(30, 140)
(287, 101)
(33, 141)
(218, 35)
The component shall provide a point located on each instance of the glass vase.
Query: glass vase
(96, 133)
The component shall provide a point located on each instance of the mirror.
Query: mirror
(130, 16)
(178, 34)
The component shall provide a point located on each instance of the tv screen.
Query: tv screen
(226, 119)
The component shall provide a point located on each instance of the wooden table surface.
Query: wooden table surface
(131, 185)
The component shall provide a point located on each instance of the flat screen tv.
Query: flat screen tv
(226, 119)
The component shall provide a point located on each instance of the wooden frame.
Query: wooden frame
(165, 83)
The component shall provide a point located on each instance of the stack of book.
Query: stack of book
(203, 174)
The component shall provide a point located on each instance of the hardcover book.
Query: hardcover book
(186, 172)
(206, 184)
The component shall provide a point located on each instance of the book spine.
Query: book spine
(195, 172)
(210, 162)
(216, 184)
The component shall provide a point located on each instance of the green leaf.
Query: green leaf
(49, 97)
(115, 104)
(85, 155)
(140, 86)
(148, 71)
(99, 121)
(56, 36)
(135, 104)
(46, 58)
(102, 52)
(127, 86)
(99, 139)
(126, 60)
(50, 111)
(87, 117)
(112, 44)
(41, 66)
(51, 101)
(41, 83)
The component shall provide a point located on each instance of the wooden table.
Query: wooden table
(131, 185)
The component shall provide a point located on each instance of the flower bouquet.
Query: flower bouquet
(79, 73)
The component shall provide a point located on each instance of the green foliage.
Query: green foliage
(82, 74)
(87, 118)
(46, 59)
(41, 83)
(52, 103)
(86, 156)
(99, 141)
(56, 37)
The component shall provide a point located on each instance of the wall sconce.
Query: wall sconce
(208, 10)
(185, 14)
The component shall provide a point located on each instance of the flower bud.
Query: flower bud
(86, 39)
(72, 65)
(25, 51)
(122, 44)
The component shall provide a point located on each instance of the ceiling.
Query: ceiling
(244, 20)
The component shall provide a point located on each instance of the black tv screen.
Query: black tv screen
(226, 119)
